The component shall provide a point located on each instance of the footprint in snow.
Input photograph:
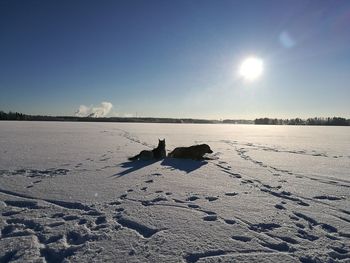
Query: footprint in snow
(279, 206)
(210, 218)
(263, 227)
(327, 197)
(93, 213)
(11, 213)
(57, 215)
(211, 198)
(230, 221)
(192, 198)
(115, 203)
(22, 204)
(123, 196)
(231, 194)
(100, 220)
(241, 238)
(178, 201)
(300, 225)
(70, 217)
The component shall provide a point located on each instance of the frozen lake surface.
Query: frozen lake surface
(268, 194)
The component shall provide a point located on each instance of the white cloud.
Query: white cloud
(90, 111)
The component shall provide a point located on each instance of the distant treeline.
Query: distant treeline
(335, 121)
(24, 117)
(16, 116)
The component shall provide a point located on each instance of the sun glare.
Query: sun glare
(251, 68)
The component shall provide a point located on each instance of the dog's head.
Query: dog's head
(206, 148)
(161, 143)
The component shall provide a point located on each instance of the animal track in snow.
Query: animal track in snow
(194, 257)
(327, 197)
(57, 254)
(101, 220)
(10, 213)
(263, 227)
(10, 256)
(49, 239)
(307, 218)
(211, 198)
(69, 205)
(115, 203)
(286, 239)
(231, 194)
(143, 230)
(23, 204)
(242, 238)
(70, 217)
(76, 238)
(300, 225)
(285, 195)
(123, 196)
(178, 201)
(281, 247)
(210, 218)
(56, 224)
(329, 228)
(230, 221)
(36, 172)
(192, 198)
(304, 235)
(93, 213)
(279, 206)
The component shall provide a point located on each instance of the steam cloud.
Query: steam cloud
(96, 112)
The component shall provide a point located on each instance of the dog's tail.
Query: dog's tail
(134, 158)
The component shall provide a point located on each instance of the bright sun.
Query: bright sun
(251, 68)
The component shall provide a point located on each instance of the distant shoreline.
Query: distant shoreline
(317, 121)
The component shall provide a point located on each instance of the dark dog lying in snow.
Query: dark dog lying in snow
(156, 153)
(195, 152)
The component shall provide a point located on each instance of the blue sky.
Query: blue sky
(175, 58)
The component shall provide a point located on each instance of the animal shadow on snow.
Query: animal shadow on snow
(134, 166)
(185, 165)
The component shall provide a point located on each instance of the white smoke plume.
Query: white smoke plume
(96, 112)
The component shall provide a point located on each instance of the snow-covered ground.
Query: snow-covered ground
(269, 194)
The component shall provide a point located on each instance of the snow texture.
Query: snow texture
(266, 194)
